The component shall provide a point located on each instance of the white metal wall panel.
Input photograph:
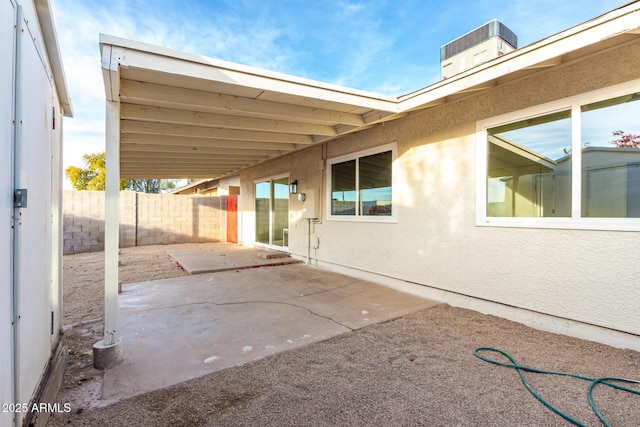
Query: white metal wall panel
(56, 220)
(34, 229)
(7, 22)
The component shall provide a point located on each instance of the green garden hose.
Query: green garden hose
(594, 381)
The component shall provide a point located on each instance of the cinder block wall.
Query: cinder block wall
(83, 221)
(145, 219)
(165, 219)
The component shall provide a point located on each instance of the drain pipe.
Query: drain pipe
(308, 242)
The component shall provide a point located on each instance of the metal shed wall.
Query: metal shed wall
(7, 21)
(30, 244)
(34, 232)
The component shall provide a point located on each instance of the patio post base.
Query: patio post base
(105, 356)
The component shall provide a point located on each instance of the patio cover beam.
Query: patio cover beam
(202, 119)
(180, 98)
(143, 128)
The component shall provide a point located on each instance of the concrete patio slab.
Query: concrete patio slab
(177, 329)
(227, 256)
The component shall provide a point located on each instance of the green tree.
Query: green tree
(92, 177)
(150, 185)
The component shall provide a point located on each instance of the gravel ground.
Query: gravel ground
(416, 370)
(83, 305)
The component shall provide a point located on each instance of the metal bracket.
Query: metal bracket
(20, 198)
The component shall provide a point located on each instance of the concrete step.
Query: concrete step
(272, 254)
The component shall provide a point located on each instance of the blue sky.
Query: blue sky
(383, 46)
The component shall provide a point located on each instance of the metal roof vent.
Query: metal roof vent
(483, 44)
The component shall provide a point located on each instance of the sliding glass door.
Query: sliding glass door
(272, 212)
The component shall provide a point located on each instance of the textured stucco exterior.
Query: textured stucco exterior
(587, 277)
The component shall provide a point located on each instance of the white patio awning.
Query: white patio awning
(188, 116)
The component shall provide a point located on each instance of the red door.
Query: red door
(232, 218)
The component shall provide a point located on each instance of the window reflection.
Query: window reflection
(363, 186)
(280, 221)
(529, 168)
(611, 158)
(375, 184)
(263, 196)
(272, 212)
(343, 188)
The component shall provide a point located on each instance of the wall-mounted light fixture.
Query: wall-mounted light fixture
(293, 187)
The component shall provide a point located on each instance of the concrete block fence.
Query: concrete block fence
(145, 219)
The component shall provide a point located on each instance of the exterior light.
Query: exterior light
(293, 187)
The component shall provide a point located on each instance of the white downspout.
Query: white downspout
(308, 261)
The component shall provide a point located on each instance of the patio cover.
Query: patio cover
(188, 116)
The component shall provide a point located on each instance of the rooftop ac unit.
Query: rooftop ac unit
(483, 44)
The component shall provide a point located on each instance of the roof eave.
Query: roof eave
(45, 18)
(545, 53)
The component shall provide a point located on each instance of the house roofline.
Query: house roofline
(191, 185)
(543, 53)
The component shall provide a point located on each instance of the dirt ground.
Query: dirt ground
(84, 310)
(416, 370)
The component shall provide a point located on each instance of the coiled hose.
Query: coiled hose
(594, 381)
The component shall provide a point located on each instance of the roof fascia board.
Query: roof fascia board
(48, 28)
(111, 71)
(546, 52)
(155, 58)
(190, 186)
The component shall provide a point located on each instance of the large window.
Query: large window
(572, 163)
(360, 185)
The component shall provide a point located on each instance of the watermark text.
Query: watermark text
(28, 408)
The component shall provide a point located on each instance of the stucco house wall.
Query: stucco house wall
(579, 282)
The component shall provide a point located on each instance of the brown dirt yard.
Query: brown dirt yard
(416, 370)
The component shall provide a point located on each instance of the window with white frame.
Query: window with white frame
(360, 185)
(575, 162)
